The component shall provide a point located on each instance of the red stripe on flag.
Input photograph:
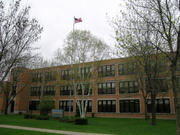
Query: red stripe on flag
(77, 20)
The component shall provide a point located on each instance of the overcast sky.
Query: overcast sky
(56, 17)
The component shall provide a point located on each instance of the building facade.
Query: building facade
(114, 90)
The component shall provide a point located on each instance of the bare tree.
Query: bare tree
(17, 32)
(40, 62)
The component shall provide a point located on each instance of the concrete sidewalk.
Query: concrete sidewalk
(49, 130)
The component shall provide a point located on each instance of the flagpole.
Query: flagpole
(75, 20)
(73, 24)
(71, 70)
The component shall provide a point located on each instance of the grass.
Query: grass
(7, 131)
(120, 126)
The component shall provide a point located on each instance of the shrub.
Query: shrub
(81, 121)
(46, 105)
(41, 117)
(27, 116)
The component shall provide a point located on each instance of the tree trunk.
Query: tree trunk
(153, 105)
(6, 107)
(6, 110)
(177, 109)
(145, 110)
(176, 97)
(83, 114)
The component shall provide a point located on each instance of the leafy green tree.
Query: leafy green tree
(46, 105)
(137, 39)
(162, 17)
(80, 46)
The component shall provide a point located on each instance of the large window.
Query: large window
(37, 77)
(128, 87)
(107, 106)
(35, 91)
(66, 89)
(89, 105)
(129, 106)
(64, 104)
(50, 76)
(107, 70)
(33, 105)
(162, 106)
(85, 72)
(161, 85)
(49, 91)
(106, 88)
(127, 68)
(66, 74)
(87, 88)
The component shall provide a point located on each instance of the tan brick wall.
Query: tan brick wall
(22, 100)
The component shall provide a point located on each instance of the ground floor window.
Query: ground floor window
(64, 104)
(33, 105)
(89, 105)
(107, 106)
(129, 106)
(162, 106)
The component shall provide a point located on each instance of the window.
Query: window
(64, 104)
(129, 106)
(37, 77)
(65, 74)
(89, 105)
(162, 106)
(127, 68)
(108, 70)
(13, 92)
(49, 91)
(106, 88)
(33, 105)
(66, 89)
(50, 76)
(161, 85)
(128, 87)
(87, 88)
(85, 72)
(107, 106)
(35, 91)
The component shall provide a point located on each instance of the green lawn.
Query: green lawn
(7, 131)
(121, 126)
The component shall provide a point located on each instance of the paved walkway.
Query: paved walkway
(49, 130)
